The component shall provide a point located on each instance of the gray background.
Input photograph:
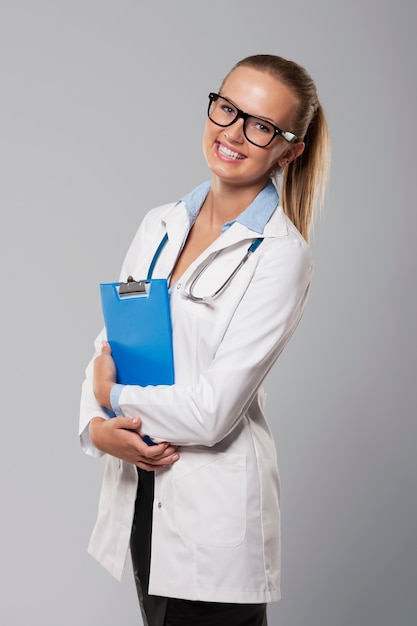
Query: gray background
(102, 109)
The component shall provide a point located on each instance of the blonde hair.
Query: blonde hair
(304, 180)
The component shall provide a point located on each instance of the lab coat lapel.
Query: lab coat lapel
(177, 225)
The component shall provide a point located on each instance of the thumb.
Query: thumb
(127, 422)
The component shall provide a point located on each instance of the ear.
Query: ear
(291, 154)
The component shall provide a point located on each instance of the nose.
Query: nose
(234, 133)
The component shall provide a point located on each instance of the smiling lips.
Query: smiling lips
(230, 154)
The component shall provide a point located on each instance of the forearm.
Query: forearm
(102, 392)
(207, 409)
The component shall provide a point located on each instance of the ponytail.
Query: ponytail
(304, 180)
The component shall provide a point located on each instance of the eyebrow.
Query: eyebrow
(260, 117)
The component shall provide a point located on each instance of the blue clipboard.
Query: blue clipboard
(138, 324)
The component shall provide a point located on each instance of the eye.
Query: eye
(264, 128)
(228, 110)
(260, 126)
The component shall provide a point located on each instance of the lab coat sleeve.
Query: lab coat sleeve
(263, 322)
(89, 407)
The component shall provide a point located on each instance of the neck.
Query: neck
(224, 203)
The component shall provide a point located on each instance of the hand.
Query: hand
(104, 375)
(119, 437)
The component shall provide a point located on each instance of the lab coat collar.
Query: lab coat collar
(255, 216)
(177, 225)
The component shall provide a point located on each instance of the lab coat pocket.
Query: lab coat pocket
(210, 498)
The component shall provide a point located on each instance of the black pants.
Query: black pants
(189, 613)
(159, 611)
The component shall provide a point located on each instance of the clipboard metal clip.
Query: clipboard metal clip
(132, 286)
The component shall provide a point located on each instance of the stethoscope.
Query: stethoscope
(190, 295)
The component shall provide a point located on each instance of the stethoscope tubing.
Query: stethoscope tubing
(204, 299)
(219, 291)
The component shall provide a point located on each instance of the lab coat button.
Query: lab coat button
(159, 505)
(179, 286)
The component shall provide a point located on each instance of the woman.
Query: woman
(208, 492)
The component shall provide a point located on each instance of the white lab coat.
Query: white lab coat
(216, 514)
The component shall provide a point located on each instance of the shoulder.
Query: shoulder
(283, 241)
(154, 221)
(159, 214)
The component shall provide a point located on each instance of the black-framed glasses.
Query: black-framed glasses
(258, 131)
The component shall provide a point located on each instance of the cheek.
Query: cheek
(276, 154)
(209, 132)
(280, 148)
(205, 142)
(209, 138)
(268, 161)
(206, 135)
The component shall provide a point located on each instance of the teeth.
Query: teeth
(230, 153)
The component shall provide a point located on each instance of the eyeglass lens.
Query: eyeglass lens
(257, 131)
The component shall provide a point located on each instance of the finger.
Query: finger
(145, 466)
(126, 422)
(163, 460)
(105, 347)
(153, 464)
(153, 452)
(169, 451)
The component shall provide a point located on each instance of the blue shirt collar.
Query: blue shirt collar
(255, 216)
